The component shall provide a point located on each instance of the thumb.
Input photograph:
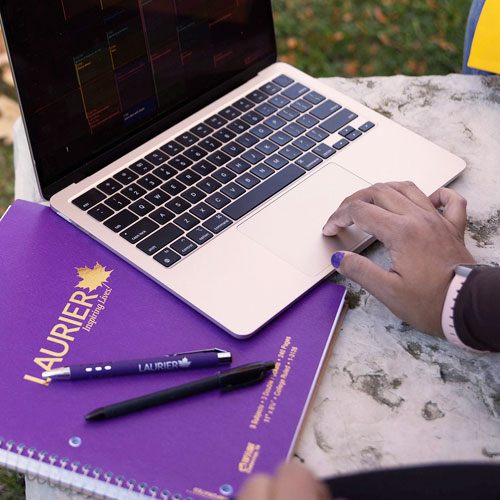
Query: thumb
(373, 278)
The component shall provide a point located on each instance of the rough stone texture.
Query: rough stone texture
(392, 396)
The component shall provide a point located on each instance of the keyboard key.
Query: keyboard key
(230, 113)
(202, 211)
(172, 148)
(317, 134)
(141, 207)
(262, 171)
(283, 80)
(304, 143)
(160, 239)
(141, 167)
(275, 122)
(265, 109)
(346, 131)
(121, 220)
(261, 131)
(324, 151)
(252, 117)
(186, 221)
(109, 186)
(247, 140)
(188, 177)
(266, 147)
(308, 161)
(288, 114)
(232, 190)
(193, 195)
(183, 246)
(252, 156)
(126, 176)
(366, 126)
(89, 199)
(173, 187)
(238, 166)
(290, 152)
(223, 175)
(338, 120)
(162, 216)
(217, 223)
(216, 121)
(218, 200)
(133, 192)
(262, 192)
(199, 235)
(270, 88)
(101, 212)
(308, 121)
(295, 91)
(279, 101)
(341, 144)
(195, 153)
(209, 185)
(276, 161)
(139, 230)
(165, 172)
(238, 126)
(178, 205)
(294, 129)
(149, 182)
(257, 96)
(204, 167)
(301, 106)
(157, 157)
(243, 105)
(157, 197)
(353, 135)
(201, 130)
(210, 144)
(280, 138)
(180, 162)
(314, 98)
(167, 257)
(219, 158)
(233, 149)
(117, 202)
(326, 109)
(224, 135)
(247, 181)
(186, 139)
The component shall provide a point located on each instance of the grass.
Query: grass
(11, 485)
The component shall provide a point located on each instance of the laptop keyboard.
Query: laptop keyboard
(190, 189)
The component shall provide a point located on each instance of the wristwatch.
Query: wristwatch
(462, 271)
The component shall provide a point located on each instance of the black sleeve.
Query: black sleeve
(477, 310)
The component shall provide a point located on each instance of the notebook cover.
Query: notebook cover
(201, 447)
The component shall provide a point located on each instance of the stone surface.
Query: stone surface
(392, 396)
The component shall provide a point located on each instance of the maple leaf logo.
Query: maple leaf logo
(92, 278)
(184, 362)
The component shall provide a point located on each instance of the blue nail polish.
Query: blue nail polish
(337, 259)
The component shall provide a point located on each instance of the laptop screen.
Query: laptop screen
(94, 74)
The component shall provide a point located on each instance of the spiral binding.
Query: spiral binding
(73, 478)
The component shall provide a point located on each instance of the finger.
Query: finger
(413, 193)
(295, 482)
(258, 487)
(382, 284)
(454, 207)
(369, 218)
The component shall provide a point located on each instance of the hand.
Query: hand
(424, 247)
(291, 482)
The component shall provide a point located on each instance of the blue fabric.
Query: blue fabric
(474, 14)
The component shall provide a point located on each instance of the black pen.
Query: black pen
(229, 380)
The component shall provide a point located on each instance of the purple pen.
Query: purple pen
(166, 363)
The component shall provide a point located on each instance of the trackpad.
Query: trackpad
(291, 226)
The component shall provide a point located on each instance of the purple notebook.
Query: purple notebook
(68, 300)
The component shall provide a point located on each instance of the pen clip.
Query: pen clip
(214, 349)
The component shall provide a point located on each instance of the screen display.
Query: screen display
(92, 73)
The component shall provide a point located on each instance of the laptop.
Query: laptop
(167, 131)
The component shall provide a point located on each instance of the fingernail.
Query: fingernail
(337, 259)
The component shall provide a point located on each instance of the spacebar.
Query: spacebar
(262, 192)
